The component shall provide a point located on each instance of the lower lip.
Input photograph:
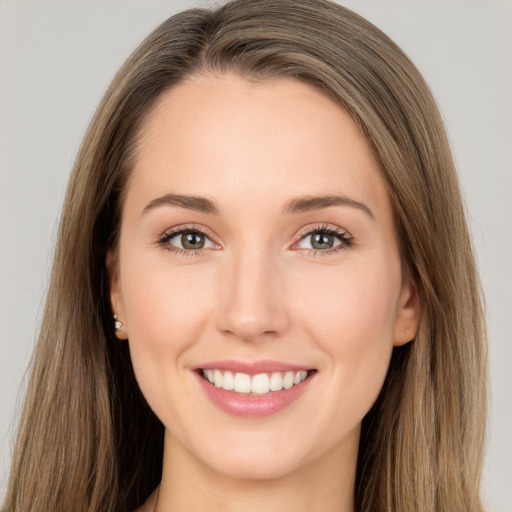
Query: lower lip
(253, 406)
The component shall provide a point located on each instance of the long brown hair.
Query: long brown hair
(87, 439)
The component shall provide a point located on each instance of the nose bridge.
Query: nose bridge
(253, 296)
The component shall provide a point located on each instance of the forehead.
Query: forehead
(228, 136)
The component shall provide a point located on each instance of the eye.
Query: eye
(190, 240)
(186, 240)
(324, 239)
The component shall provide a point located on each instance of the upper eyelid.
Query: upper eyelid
(313, 228)
(176, 230)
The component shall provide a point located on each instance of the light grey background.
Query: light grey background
(57, 58)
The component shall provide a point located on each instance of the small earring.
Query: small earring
(119, 332)
(117, 323)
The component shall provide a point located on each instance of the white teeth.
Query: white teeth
(276, 382)
(218, 378)
(259, 384)
(300, 376)
(229, 381)
(288, 380)
(242, 383)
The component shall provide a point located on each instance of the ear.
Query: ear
(116, 298)
(408, 313)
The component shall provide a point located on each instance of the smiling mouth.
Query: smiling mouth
(259, 384)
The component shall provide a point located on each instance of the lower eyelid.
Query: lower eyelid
(183, 252)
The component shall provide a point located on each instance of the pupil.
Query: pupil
(192, 241)
(322, 241)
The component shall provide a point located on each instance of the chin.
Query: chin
(256, 468)
(260, 456)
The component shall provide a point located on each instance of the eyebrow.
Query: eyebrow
(296, 205)
(200, 204)
(308, 203)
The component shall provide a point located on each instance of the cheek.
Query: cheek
(164, 304)
(352, 321)
(353, 306)
(165, 314)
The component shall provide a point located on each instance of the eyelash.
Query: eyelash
(345, 239)
(163, 240)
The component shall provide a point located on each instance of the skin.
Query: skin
(258, 290)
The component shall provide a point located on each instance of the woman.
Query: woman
(310, 254)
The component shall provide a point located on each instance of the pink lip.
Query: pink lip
(252, 406)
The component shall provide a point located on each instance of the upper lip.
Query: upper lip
(252, 367)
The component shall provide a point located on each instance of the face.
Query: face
(258, 276)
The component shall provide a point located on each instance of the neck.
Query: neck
(326, 485)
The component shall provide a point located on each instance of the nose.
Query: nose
(252, 306)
